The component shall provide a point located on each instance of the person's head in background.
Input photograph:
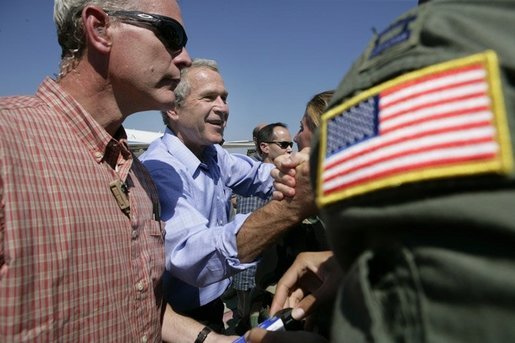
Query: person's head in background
(200, 113)
(255, 140)
(255, 133)
(274, 140)
(311, 118)
(94, 36)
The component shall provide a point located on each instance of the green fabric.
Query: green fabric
(443, 30)
(431, 261)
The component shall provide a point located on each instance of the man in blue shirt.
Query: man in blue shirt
(195, 177)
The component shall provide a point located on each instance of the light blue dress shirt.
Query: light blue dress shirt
(200, 242)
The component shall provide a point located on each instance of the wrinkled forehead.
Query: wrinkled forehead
(205, 78)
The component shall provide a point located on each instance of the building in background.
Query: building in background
(139, 140)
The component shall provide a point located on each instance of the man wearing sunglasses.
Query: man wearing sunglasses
(196, 177)
(81, 244)
(274, 140)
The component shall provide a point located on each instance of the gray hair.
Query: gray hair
(70, 30)
(183, 89)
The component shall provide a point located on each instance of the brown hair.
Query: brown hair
(315, 107)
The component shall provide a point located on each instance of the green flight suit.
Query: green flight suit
(418, 198)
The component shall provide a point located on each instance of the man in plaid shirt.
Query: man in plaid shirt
(81, 242)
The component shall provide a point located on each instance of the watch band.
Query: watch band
(203, 334)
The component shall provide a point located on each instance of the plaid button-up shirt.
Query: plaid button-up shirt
(246, 279)
(74, 266)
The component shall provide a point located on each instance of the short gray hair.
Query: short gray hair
(70, 30)
(183, 88)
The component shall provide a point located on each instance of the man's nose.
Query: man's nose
(222, 107)
(182, 59)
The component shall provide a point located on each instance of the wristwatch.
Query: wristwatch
(203, 334)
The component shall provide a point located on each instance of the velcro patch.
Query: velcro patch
(394, 35)
(443, 121)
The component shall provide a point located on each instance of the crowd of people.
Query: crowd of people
(393, 222)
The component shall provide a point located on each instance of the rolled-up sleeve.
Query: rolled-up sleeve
(198, 254)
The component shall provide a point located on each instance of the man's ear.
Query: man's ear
(172, 114)
(264, 147)
(96, 22)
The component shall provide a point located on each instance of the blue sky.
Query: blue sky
(273, 54)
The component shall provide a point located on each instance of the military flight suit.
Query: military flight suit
(415, 179)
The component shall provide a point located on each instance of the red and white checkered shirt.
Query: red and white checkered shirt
(73, 266)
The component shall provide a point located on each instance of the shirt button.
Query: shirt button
(99, 155)
(134, 234)
(140, 286)
(144, 339)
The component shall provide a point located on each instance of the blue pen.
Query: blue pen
(281, 321)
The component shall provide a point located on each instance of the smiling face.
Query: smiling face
(201, 118)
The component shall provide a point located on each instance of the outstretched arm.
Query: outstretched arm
(265, 225)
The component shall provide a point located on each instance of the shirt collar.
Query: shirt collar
(98, 141)
(176, 147)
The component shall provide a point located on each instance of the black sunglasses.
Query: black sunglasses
(168, 30)
(282, 144)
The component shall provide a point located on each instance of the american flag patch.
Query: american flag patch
(445, 120)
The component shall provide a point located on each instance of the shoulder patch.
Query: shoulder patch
(395, 34)
(442, 121)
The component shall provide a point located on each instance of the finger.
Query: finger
(285, 162)
(331, 274)
(320, 294)
(294, 298)
(288, 174)
(257, 335)
(303, 274)
(287, 191)
(288, 284)
(301, 156)
(305, 307)
(280, 177)
(280, 299)
(284, 179)
(290, 300)
(276, 195)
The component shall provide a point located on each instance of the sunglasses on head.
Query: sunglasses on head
(282, 144)
(168, 30)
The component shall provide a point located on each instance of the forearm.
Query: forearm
(178, 328)
(264, 227)
(201, 255)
